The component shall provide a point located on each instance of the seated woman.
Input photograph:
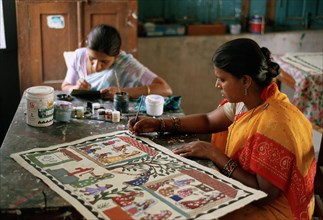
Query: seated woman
(103, 66)
(269, 144)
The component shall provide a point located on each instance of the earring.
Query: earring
(245, 91)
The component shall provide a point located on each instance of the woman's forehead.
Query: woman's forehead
(98, 55)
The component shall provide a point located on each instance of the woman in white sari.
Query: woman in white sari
(103, 66)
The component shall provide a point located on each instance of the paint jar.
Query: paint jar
(115, 116)
(63, 111)
(121, 102)
(154, 105)
(40, 106)
(257, 24)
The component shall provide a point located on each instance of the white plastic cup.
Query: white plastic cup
(40, 106)
(235, 29)
(154, 105)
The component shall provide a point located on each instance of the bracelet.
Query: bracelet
(229, 167)
(148, 90)
(162, 126)
(176, 124)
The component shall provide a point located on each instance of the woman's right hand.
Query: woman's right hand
(82, 84)
(144, 125)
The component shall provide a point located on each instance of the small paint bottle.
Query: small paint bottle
(95, 108)
(101, 114)
(79, 112)
(115, 116)
(108, 115)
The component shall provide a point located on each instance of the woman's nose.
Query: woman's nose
(96, 66)
(217, 85)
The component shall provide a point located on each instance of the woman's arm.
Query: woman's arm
(158, 86)
(214, 121)
(80, 84)
(206, 150)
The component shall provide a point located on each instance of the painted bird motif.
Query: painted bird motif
(142, 179)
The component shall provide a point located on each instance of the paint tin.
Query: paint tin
(257, 24)
(154, 105)
(40, 106)
(121, 102)
(63, 111)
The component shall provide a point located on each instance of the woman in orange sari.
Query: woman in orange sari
(269, 142)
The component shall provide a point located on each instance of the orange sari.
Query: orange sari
(274, 140)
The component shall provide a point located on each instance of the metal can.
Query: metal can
(40, 106)
(257, 24)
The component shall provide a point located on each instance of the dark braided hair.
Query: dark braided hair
(243, 56)
(104, 38)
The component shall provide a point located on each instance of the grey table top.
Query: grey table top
(21, 190)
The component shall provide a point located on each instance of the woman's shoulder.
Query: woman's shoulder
(124, 57)
(80, 51)
(285, 115)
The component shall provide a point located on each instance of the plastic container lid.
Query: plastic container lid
(40, 90)
(63, 105)
(154, 100)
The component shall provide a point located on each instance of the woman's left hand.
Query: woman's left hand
(200, 149)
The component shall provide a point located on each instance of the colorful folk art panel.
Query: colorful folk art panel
(120, 176)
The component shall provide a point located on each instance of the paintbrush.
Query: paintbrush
(141, 101)
(118, 85)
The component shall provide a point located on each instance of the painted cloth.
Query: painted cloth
(126, 71)
(307, 71)
(274, 140)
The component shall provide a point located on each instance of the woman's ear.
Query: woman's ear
(247, 81)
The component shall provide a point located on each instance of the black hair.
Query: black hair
(243, 56)
(104, 38)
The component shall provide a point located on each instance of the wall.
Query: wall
(185, 62)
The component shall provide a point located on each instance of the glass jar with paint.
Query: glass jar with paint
(121, 102)
(63, 111)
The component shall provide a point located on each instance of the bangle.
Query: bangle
(148, 90)
(176, 124)
(229, 167)
(162, 126)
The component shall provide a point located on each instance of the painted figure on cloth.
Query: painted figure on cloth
(95, 190)
(103, 66)
(268, 144)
